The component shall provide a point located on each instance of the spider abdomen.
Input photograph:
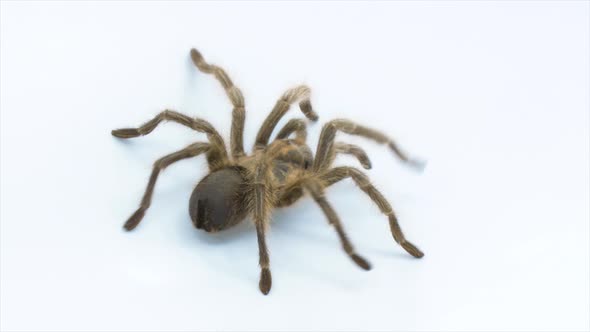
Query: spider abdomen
(217, 202)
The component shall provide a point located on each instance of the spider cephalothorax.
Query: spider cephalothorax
(276, 174)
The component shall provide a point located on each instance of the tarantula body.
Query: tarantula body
(276, 174)
(222, 199)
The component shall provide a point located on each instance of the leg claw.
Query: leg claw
(412, 249)
(134, 220)
(125, 133)
(361, 262)
(265, 281)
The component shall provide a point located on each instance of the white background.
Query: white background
(493, 94)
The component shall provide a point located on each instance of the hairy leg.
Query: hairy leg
(350, 149)
(317, 193)
(290, 196)
(217, 154)
(236, 98)
(281, 107)
(328, 134)
(296, 126)
(262, 204)
(192, 150)
(294, 191)
(299, 127)
(339, 173)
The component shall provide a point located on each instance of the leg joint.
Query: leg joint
(236, 97)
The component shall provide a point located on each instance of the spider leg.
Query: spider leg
(328, 134)
(217, 154)
(299, 127)
(292, 192)
(339, 173)
(296, 126)
(350, 149)
(316, 191)
(263, 202)
(235, 96)
(190, 151)
(300, 93)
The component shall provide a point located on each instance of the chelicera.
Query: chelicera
(276, 174)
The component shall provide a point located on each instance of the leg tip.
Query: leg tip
(265, 281)
(308, 111)
(367, 165)
(125, 133)
(196, 56)
(412, 249)
(361, 262)
(134, 220)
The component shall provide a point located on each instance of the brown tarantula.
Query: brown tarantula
(276, 174)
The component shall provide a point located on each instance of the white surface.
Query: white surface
(493, 94)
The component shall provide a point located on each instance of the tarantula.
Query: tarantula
(276, 174)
